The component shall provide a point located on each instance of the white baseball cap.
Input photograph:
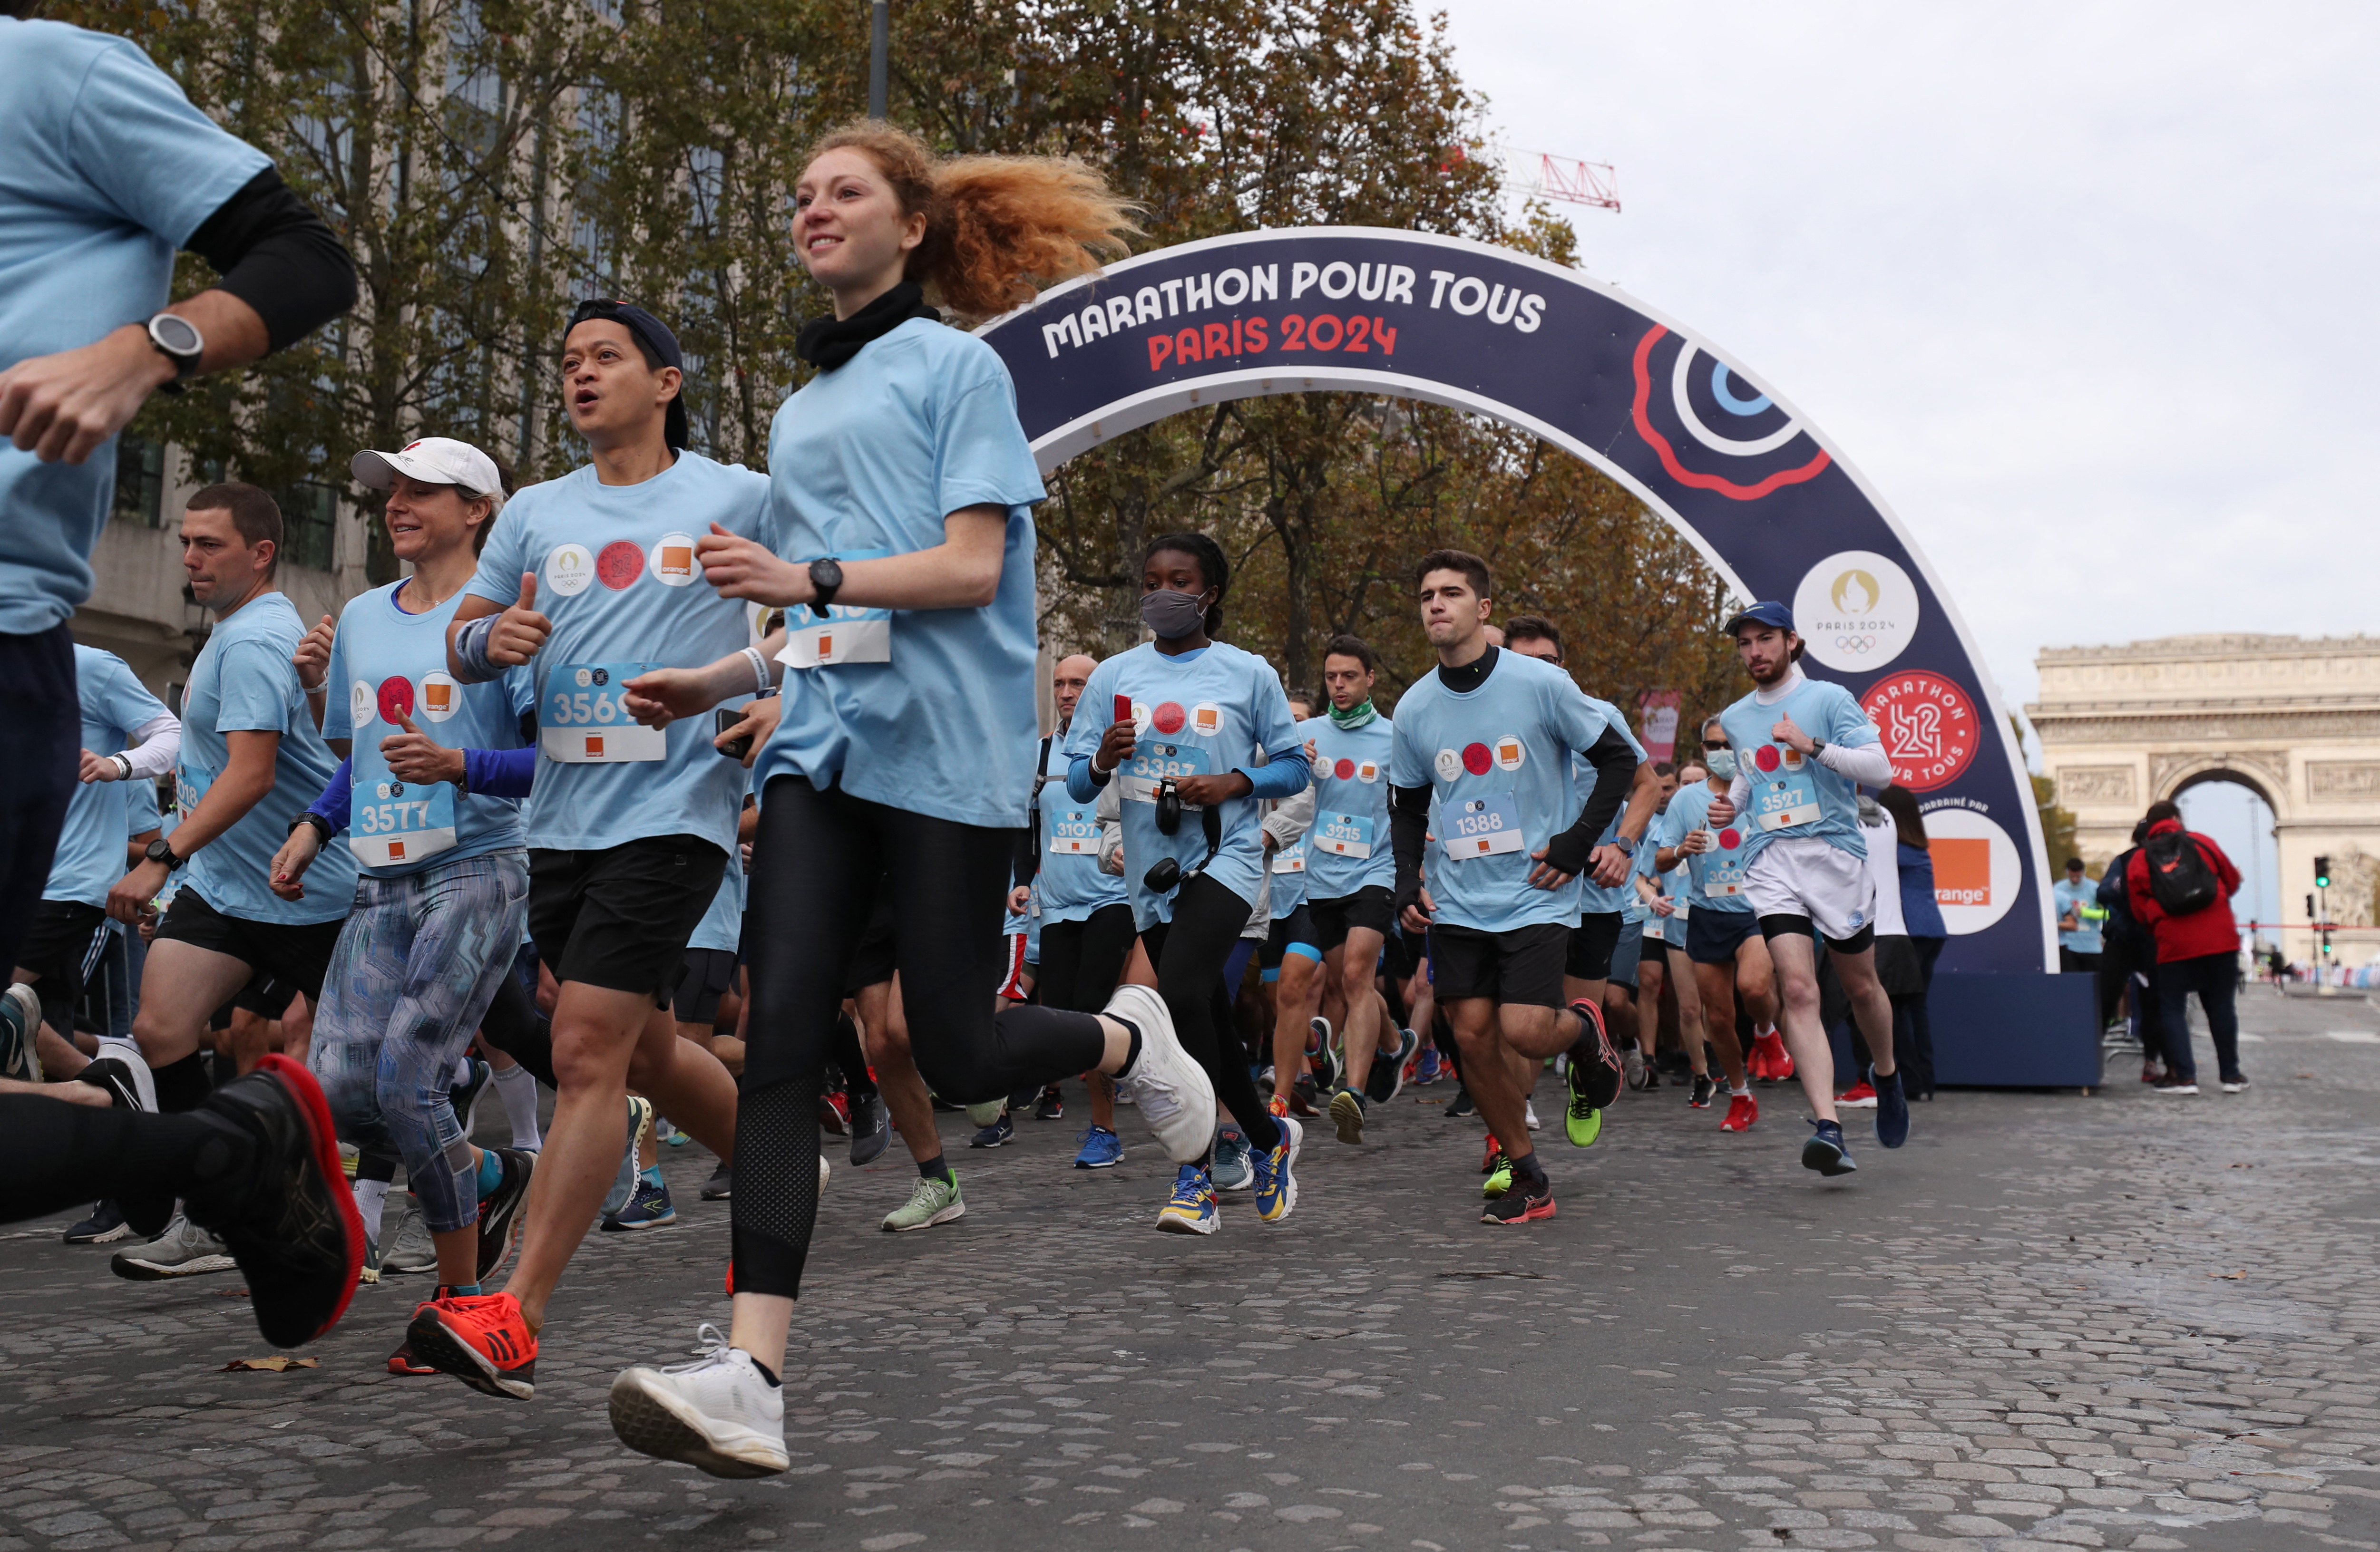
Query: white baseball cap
(434, 461)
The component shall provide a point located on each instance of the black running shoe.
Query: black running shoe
(1526, 1201)
(1461, 1104)
(721, 1185)
(1050, 1106)
(104, 1226)
(500, 1211)
(871, 1133)
(1700, 1100)
(290, 1217)
(1595, 1072)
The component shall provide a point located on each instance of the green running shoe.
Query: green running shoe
(1582, 1124)
(1500, 1177)
(933, 1201)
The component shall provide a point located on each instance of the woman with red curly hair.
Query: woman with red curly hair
(901, 510)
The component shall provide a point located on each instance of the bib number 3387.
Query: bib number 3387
(583, 718)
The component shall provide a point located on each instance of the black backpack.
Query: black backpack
(2179, 878)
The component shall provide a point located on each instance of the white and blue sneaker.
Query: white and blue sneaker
(1102, 1149)
(1826, 1151)
(1192, 1210)
(1276, 1177)
(1234, 1164)
(649, 1207)
(1000, 1128)
(1175, 1095)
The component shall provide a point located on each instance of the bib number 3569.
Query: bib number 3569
(583, 716)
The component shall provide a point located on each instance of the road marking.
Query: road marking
(2353, 1037)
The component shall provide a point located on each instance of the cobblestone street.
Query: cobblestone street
(2122, 1320)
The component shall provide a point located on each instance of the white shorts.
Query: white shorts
(1807, 876)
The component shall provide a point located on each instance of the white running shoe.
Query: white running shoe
(716, 1414)
(183, 1250)
(144, 1083)
(823, 1173)
(1175, 1095)
(1532, 1106)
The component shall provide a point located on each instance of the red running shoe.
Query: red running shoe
(1743, 1109)
(1524, 1204)
(1861, 1095)
(479, 1339)
(1488, 1159)
(834, 1113)
(1776, 1061)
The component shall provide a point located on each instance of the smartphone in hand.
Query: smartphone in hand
(724, 717)
(1123, 709)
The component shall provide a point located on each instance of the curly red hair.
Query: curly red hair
(998, 228)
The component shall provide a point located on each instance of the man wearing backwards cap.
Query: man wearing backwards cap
(1803, 748)
(591, 580)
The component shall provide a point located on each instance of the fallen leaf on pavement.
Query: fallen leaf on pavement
(274, 1365)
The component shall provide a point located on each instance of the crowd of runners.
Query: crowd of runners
(715, 802)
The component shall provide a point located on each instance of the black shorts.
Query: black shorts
(1293, 930)
(297, 955)
(1371, 906)
(1405, 953)
(1521, 967)
(708, 975)
(1591, 942)
(619, 918)
(1800, 926)
(1712, 937)
(872, 961)
(59, 950)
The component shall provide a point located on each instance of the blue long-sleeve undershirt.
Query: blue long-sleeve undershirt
(1285, 776)
(487, 772)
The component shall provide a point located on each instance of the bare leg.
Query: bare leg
(1296, 997)
(1489, 1043)
(884, 1035)
(1797, 985)
(1871, 1009)
(1351, 974)
(180, 985)
(1690, 1022)
(1715, 983)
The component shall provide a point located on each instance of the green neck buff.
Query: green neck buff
(1353, 717)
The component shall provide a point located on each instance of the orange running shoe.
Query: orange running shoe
(1488, 1159)
(1277, 1106)
(1743, 1109)
(482, 1339)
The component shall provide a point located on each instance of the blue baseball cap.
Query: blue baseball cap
(655, 336)
(1768, 611)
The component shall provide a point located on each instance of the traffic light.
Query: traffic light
(2322, 872)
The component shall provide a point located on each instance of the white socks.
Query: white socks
(517, 1089)
(370, 1198)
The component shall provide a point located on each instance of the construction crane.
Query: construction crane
(1548, 176)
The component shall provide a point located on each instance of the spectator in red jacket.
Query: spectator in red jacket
(2197, 952)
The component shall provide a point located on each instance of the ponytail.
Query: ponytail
(998, 228)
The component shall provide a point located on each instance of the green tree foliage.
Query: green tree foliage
(490, 161)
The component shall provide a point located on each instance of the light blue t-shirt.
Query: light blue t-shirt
(1201, 713)
(386, 663)
(141, 812)
(1070, 886)
(1348, 848)
(1793, 794)
(1593, 898)
(1498, 761)
(105, 169)
(928, 710)
(1714, 879)
(616, 576)
(2073, 899)
(90, 858)
(721, 927)
(245, 682)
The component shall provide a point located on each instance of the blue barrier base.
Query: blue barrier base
(2015, 1030)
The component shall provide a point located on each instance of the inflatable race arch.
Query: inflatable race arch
(1751, 484)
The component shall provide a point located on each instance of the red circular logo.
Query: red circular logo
(620, 564)
(1345, 770)
(1477, 759)
(1930, 728)
(1730, 838)
(1766, 756)
(1169, 718)
(396, 698)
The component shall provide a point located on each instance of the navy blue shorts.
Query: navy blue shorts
(1712, 937)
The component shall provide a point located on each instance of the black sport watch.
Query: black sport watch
(826, 580)
(160, 850)
(179, 340)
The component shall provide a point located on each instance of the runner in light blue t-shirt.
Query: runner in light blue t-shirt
(1802, 748)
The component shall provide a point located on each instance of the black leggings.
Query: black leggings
(1082, 961)
(58, 1155)
(514, 1027)
(815, 872)
(1189, 952)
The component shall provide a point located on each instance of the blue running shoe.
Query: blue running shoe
(1825, 1152)
(648, 1207)
(1276, 1176)
(1102, 1149)
(1891, 1109)
(1000, 1130)
(1235, 1169)
(1429, 1067)
(1192, 1210)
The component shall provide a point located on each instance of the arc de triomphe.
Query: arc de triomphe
(2295, 720)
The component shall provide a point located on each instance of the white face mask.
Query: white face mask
(1722, 763)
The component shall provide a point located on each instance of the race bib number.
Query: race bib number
(1073, 832)
(189, 789)
(391, 823)
(1348, 835)
(1720, 871)
(1291, 860)
(1478, 827)
(1153, 761)
(847, 634)
(584, 718)
(1786, 801)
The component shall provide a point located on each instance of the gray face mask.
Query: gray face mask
(1171, 615)
(1722, 763)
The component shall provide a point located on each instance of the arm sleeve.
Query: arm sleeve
(156, 742)
(1288, 824)
(334, 803)
(276, 255)
(1614, 758)
(500, 772)
(1093, 715)
(1409, 835)
(1025, 858)
(1082, 783)
(1866, 764)
(1286, 776)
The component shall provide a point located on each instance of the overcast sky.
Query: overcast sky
(2084, 291)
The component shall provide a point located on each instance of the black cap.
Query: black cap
(655, 336)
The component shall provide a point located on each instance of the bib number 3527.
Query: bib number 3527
(583, 718)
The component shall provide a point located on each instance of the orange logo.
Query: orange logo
(826, 645)
(396, 850)
(594, 745)
(1963, 869)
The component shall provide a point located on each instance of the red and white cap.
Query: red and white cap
(433, 461)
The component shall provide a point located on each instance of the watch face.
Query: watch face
(178, 335)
